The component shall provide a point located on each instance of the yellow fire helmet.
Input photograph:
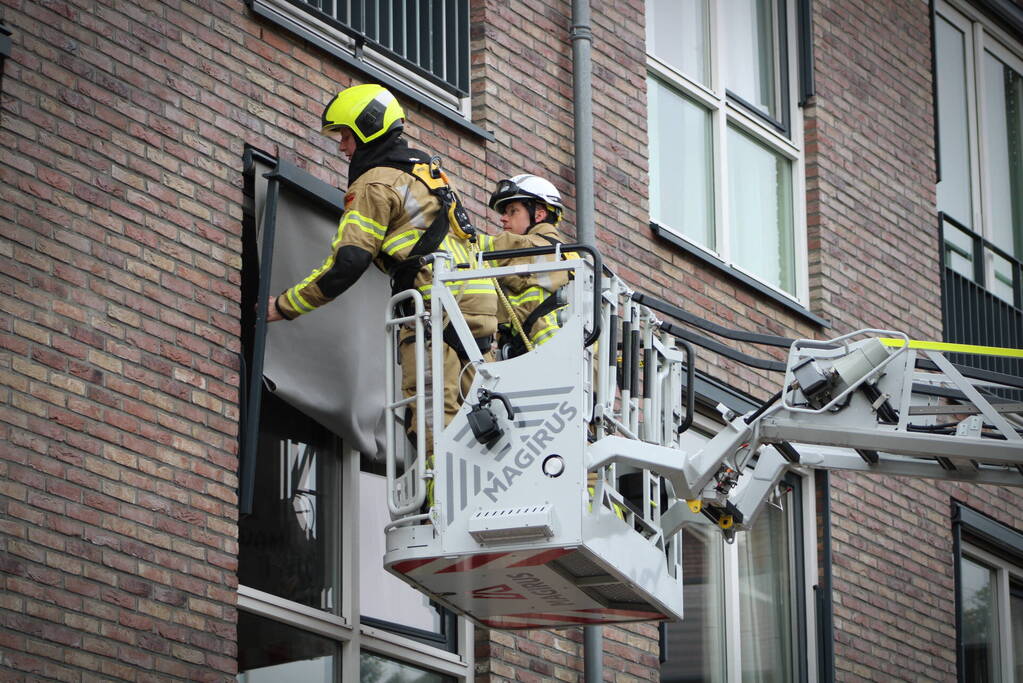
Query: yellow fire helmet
(369, 110)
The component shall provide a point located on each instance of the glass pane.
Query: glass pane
(289, 545)
(958, 250)
(696, 645)
(979, 624)
(765, 599)
(678, 32)
(760, 204)
(1001, 278)
(375, 669)
(1016, 618)
(1003, 128)
(953, 130)
(681, 173)
(381, 595)
(752, 69)
(272, 652)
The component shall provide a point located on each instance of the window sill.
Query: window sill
(373, 73)
(735, 274)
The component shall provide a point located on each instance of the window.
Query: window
(979, 74)
(743, 602)
(726, 154)
(315, 603)
(418, 48)
(989, 599)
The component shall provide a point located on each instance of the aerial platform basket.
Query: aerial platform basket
(517, 534)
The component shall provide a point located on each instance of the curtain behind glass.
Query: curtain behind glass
(381, 595)
(681, 172)
(953, 130)
(696, 645)
(760, 205)
(766, 587)
(979, 623)
(678, 32)
(752, 53)
(1003, 97)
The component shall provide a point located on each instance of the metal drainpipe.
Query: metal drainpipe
(582, 91)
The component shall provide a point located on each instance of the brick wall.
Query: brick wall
(119, 371)
(123, 125)
(874, 263)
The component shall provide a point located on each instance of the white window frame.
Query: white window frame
(980, 36)
(725, 112)
(730, 569)
(345, 627)
(1004, 572)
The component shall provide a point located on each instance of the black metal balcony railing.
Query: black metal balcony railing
(972, 313)
(429, 37)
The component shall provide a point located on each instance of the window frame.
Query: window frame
(999, 547)
(782, 137)
(981, 35)
(803, 562)
(344, 625)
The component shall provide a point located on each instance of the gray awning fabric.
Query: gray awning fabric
(329, 363)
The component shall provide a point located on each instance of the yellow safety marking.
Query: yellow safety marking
(726, 521)
(953, 348)
(695, 505)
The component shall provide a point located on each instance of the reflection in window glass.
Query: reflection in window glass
(289, 545)
(375, 669)
(958, 250)
(953, 131)
(752, 58)
(766, 588)
(381, 595)
(1016, 619)
(271, 652)
(681, 174)
(678, 32)
(760, 205)
(695, 645)
(1003, 112)
(979, 624)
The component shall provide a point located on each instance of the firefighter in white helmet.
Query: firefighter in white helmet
(391, 218)
(530, 209)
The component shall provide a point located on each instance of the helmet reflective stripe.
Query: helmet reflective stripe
(524, 187)
(369, 110)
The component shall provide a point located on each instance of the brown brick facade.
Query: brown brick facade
(121, 140)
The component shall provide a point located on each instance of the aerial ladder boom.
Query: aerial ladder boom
(556, 496)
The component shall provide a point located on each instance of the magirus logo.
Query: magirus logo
(493, 473)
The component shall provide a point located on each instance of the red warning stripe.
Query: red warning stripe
(498, 623)
(632, 613)
(408, 565)
(561, 618)
(542, 558)
(472, 562)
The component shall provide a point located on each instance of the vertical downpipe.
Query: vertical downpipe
(582, 78)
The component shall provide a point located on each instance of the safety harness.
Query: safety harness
(451, 217)
(516, 341)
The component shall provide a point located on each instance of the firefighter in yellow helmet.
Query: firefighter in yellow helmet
(388, 210)
(530, 209)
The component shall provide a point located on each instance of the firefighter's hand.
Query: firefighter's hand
(272, 314)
